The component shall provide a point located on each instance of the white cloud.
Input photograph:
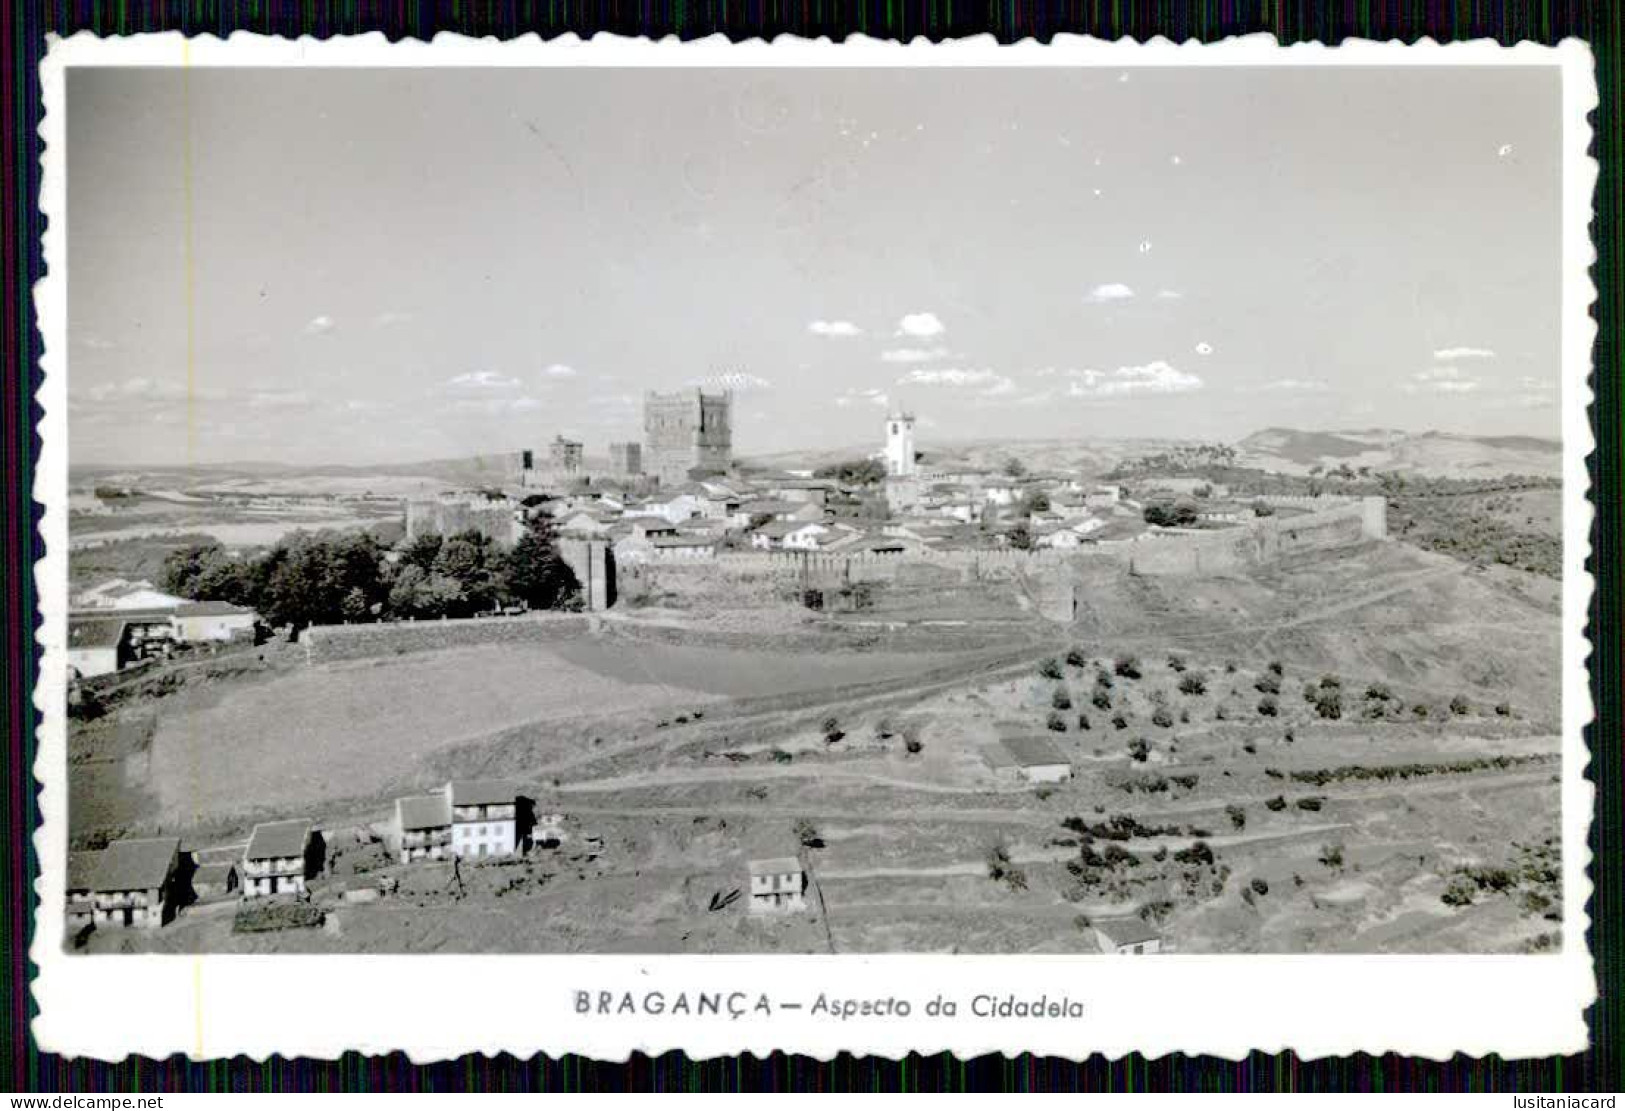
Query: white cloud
(1448, 353)
(1152, 378)
(984, 382)
(319, 325)
(737, 381)
(483, 380)
(912, 354)
(863, 397)
(1204, 348)
(836, 329)
(559, 370)
(1111, 291)
(1441, 379)
(922, 325)
(1299, 384)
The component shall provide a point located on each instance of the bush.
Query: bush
(1379, 692)
(1119, 721)
(1161, 718)
(1140, 749)
(1176, 662)
(1329, 703)
(1275, 668)
(1278, 803)
(1260, 887)
(1310, 693)
(1083, 722)
(1331, 856)
(1229, 667)
(1458, 892)
(1061, 699)
(1237, 816)
(1503, 709)
(1268, 707)
(1127, 666)
(1268, 684)
(1330, 683)
(1310, 803)
(1050, 668)
(1076, 657)
(807, 834)
(1193, 682)
(1459, 706)
(1055, 722)
(832, 730)
(913, 745)
(1419, 710)
(1102, 699)
(1103, 678)
(1000, 868)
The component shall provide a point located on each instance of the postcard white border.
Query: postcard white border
(321, 1006)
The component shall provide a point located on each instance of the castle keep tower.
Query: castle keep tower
(686, 430)
(900, 444)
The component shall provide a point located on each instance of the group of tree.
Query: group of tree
(854, 472)
(328, 578)
(1174, 513)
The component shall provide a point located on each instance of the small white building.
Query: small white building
(135, 882)
(423, 827)
(1028, 760)
(778, 885)
(196, 622)
(277, 860)
(97, 646)
(484, 818)
(123, 594)
(1127, 935)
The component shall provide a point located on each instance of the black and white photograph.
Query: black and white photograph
(1107, 511)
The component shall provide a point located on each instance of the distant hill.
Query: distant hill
(1437, 454)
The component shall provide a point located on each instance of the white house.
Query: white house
(135, 882)
(195, 622)
(1028, 760)
(777, 885)
(795, 535)
(423, 827)
(484, 818)
(97, 646)
(684, 546)
(123, 594)
(276, 861)
(1127, 935)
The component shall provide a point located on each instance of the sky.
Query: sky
(345, 266)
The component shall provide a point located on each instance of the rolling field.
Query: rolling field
(1238, 827)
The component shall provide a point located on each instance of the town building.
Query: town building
(802, 536)
(277, 860)
(135, 882)
(198, 622)
(124, 594)
(689, 430)
(423, 827)
(778, 885)
(214, 880)
(565, 457)
(98, 646)
(1127, 935)
(81, 903)
(484, 818)
(626, 459)
(1028, 760)
(900, 444)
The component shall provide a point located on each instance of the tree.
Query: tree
(1459, 705)
(1179, 513)
(1050, 668)
(1193, 682)
(534, 573)
(1020, 538)
(1262, 508)
(1127, 666)
(421, 552)
(1061, 699)
(1014, 468)
(184, 566)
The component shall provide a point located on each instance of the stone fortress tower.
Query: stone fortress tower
(686, 430)
(900, 444)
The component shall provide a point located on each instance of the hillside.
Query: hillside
(1435, 454)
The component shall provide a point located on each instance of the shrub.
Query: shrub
(1275, 669)
(1176, 662)
(1260, 886)
(1268, 684)
(782, 757)
(1161, 718)
(1127, 666)
(1193, 682)
(1330, 683)
(1229, 667)
(1000, 868)
(1331, 856)
(1061, 699)
(1055, 722)
(1050, 668)
(1103, 678)
(1076, 657)
(1185, 782)
(1379, 692)
(1278, 803)
(1140, 749)
(1119, 720)
(1310, 693)
(1198, 853)
(1220, 713)
(1289, 737)
(1268, 707)
(1237, 816)
(1459, 706)
(807, 834)
(1458, 892)
(1309, 802)
(1329, 703)
(913, 745)
(1083, 722)
(1249, 747)
(1185, 717)
(832, 730)
(1419, 710)
(1161, 854)
(1503, 709)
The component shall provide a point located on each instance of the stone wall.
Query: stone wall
(324, 643)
